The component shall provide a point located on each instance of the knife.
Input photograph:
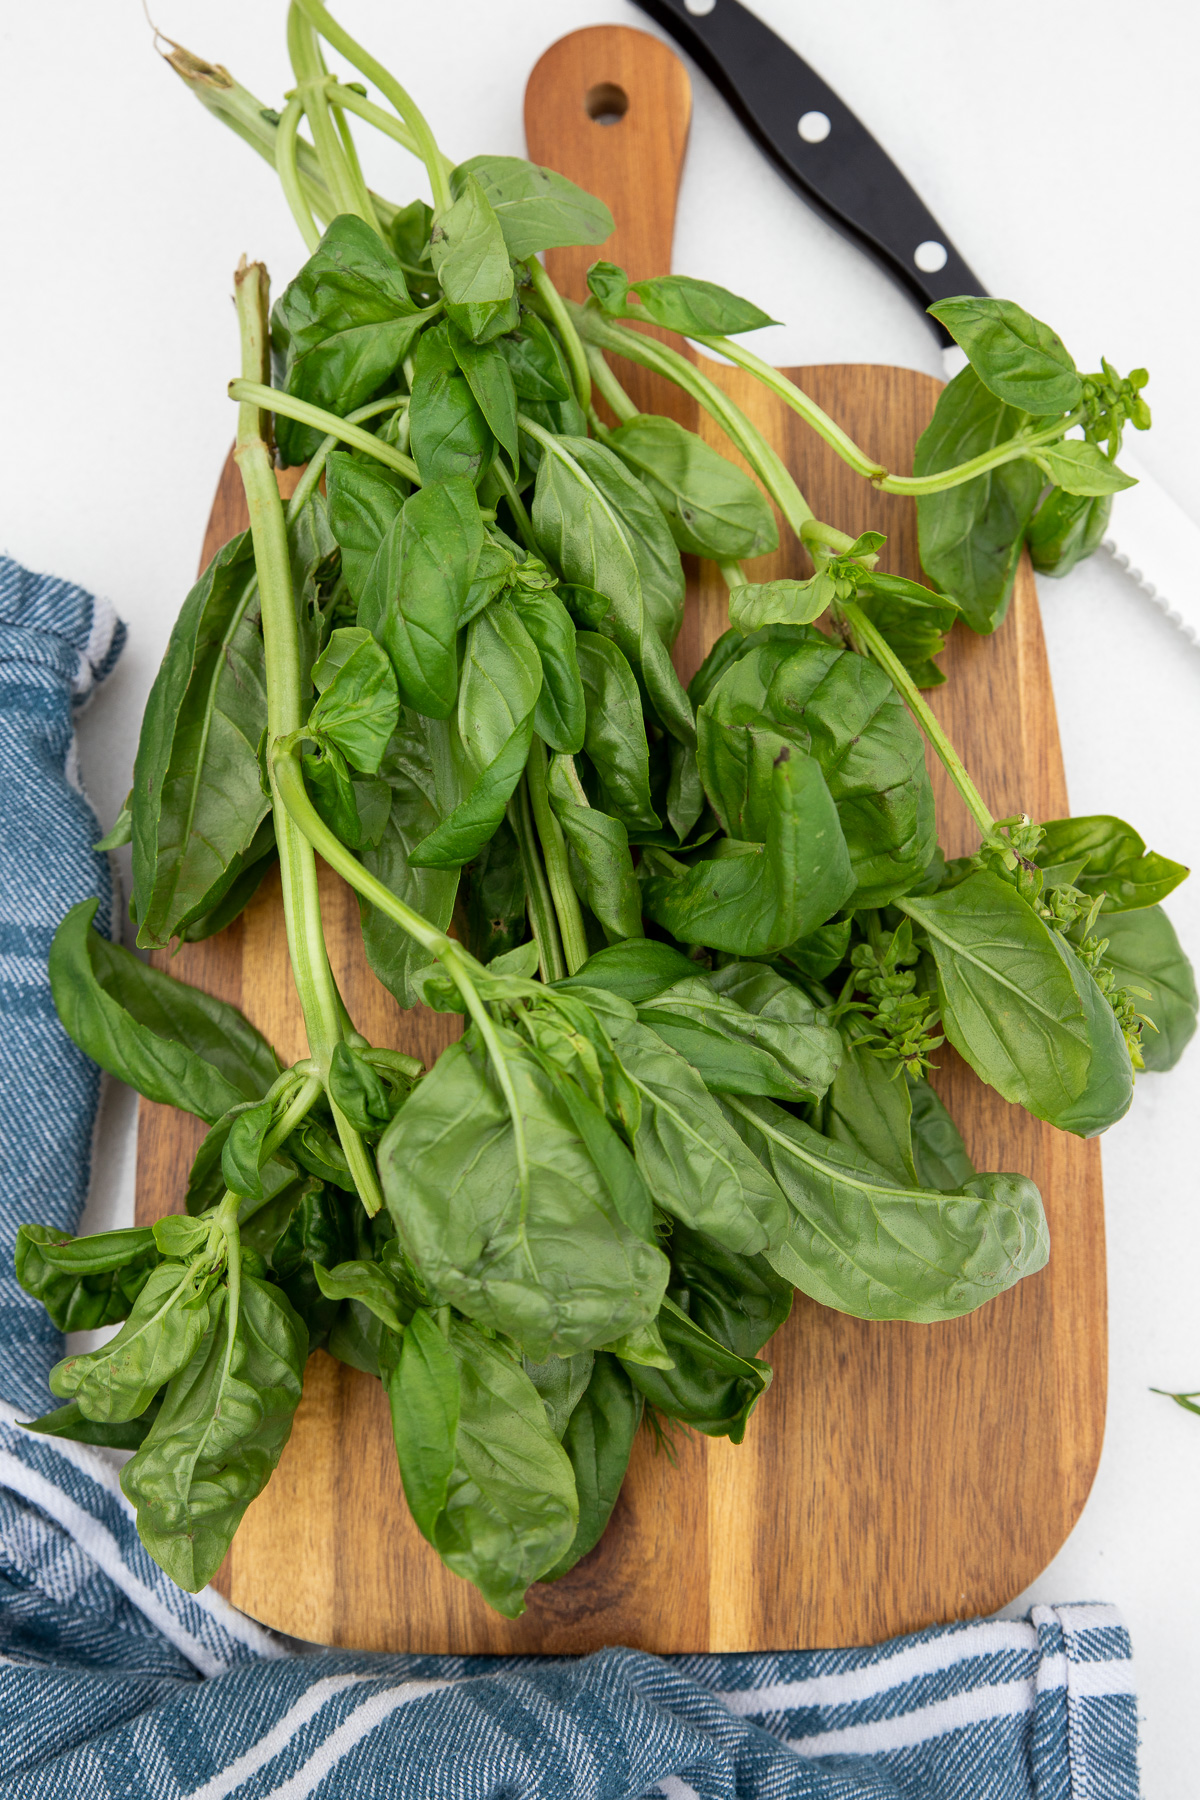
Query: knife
(819, 145)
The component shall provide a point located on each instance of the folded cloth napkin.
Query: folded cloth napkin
(114, 1682)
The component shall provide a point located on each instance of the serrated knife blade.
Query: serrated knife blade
(820, 146)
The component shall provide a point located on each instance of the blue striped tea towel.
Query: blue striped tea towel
(113, 1682)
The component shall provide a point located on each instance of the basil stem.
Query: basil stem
(258, 394)
(286, 167)
(542, 920)
(554, 850)
(297, 864)
(867, 640)
(304, 52)
(560, 316)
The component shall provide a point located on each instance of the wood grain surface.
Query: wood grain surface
(893, 1475)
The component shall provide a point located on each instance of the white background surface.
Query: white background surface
(1056, 144)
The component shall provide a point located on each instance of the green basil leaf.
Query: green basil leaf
(536, 362)
(1010, 1003)
(738, 1300)
(598, 1440)
(425, 788)
(693, 1162)
(1017, 358)
(971, 535)
(340, 328)
(1144, 952)
(755, 897)
(600, 846)
(559, 718)
(1116, 862)
(538, 209)
(804, 1041)
(559, 1271)
(676, 302)
(370, 1285)
(171, 1042)
(355, 807)
(863, 1246)
(69, 1422)
(409, 232)
(83, 1282)
(255, 863)
(488, 1483)
(744, 1052)
(118, 1381)
(471, 260)
(614, 732)
(712, 507)
(359, 706)
(818, 954)
(561, 1381)
(417, 587)
(317, 1232)
(1108, 1091)
(603, 532)
(495, 885)
(197, 798)
(634, 971)
(499, 684)
(710, 1388)
(364, 500)
(1066, 529)
(779, 603)
(360, 1091)
(219, 1434)
(243, 1149)
(490, 380)
(868, 1108)
(938, 1150)
(465, 831)
(447, 429)
(1082, 469)
(842, 711)
(180, 1235)
(912, 619)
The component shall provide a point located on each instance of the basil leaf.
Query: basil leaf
(603, 532)
(490, 380)
(171, 1042)
(842, 711)
(561, 1381)
(634, 971)
(1082, 469)
(693, 1162)
(868, 1108)
(448, 431)
(69, 1422)
(364, 499)
(359, 1090)
(602, 867)
(495, 883)
(1116, 862)
(614, 733)
(472, 263)
(1066, 529)
(755, 897)
(710, 1388)
(424, 786)
(1144, 952)
(598, 1440)
(536, 362)
(1108, 1091)
(359, 706)
(938, 1150)
(84, 1282)
(863, 1246)
(914, 621)
(971, 535)
(559, 1272)
(779, 603)
(219, 1434)
(1009, 998)
(487, 1481)
(370, 1285)
(197, 796)
(804, 1040)
(118, 1381)
(818, 954)
(676, 302)
(712, 507)
(742, 1052)
(559, 718)
(738, 1300)
(340, 328)
(416, 589)
(1017, 358)
(538, 209)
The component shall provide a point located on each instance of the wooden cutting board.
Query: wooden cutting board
(893, 1475)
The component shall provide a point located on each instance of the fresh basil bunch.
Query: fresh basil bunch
(705, 943)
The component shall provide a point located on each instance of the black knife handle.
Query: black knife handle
(845, 175)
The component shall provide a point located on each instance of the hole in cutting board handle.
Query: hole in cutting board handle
(606, 103)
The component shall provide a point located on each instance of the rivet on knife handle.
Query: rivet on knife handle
(818, 144)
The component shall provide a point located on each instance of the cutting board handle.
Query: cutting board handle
(610, 107)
